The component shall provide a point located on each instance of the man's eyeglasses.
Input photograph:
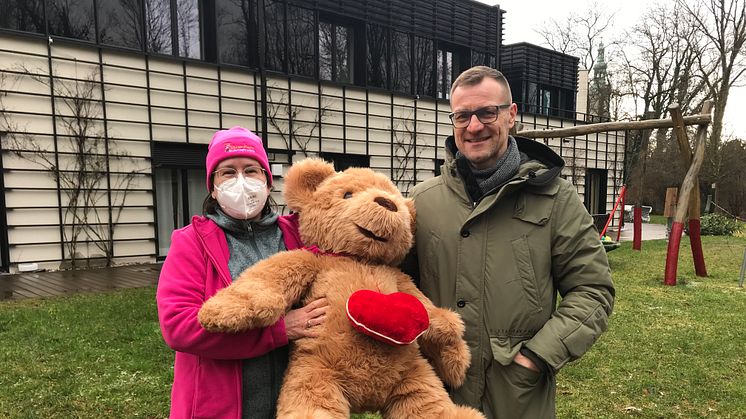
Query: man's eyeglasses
(248, 171)
(486, 115)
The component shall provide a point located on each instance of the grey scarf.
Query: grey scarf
(482, 181)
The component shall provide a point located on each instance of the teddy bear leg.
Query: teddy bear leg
(310, 392)
(420, 394)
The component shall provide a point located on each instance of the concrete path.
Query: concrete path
(649, 232)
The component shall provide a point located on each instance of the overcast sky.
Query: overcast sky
(523, 17)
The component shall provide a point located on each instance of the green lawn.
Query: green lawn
(670, 351)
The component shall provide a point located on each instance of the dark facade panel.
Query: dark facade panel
(463, 22)
(542, 81)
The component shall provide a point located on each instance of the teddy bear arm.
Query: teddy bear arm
(442, 343)
(261, 295)
(287, 274)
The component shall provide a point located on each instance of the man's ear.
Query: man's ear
(302, 180)
(412, 213)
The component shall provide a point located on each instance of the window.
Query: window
(187, 28)
(377, 59)
(335, 52)
(301, 55)
(531, 98)
(451, 61)
(179, 175)
(344, 161)
(424, 64)
(545, 98)
(595, 190)
(120, 23)
(22, 15)
(158, 26)
(236, 32)
(71, 19)
(478, 58)
(179, 195)
(186, 40)
(567, 103)
(445, 73)
(401, 62)
(274, 35)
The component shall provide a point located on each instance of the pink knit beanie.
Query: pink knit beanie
(235, 142)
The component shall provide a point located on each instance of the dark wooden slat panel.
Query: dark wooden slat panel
(49, 284)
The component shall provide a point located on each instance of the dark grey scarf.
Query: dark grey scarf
(481, 181)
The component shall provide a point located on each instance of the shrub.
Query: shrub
(718, 225)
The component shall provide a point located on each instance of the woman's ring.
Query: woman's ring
(308, 324)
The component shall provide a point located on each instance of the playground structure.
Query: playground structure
(688, 197)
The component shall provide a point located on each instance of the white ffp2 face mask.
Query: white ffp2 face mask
(242, 198)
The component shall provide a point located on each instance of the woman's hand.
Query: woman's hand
(302, 322)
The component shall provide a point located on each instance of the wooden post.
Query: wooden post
(695, 229)
(639, 181)
(674, 241)
(669, 209)
(621, 212)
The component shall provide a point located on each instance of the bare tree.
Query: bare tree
(578, 34)
(723, 24)
(82, 171)
(667, 62)
(294, 131)
(405, 153)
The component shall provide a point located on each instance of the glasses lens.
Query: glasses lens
(487, 114)
(252, 171)
(461, 119)
(226, 172)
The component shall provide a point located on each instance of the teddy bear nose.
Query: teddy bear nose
(386, 203)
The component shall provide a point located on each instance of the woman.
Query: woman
(216, 374)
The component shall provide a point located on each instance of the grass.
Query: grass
(669, 352)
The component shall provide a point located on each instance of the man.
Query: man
(499, 236)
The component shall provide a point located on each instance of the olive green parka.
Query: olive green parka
(502, 263)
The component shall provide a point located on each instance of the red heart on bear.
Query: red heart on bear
(396, 319)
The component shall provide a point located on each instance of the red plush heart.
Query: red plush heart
(396, 319)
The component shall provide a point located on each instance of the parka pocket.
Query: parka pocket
(522, 376)
(525, 271)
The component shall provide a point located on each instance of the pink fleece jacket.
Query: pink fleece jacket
(207, 368)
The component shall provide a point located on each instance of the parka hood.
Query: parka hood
(539, 163)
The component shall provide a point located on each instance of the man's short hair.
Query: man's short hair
(475, 75)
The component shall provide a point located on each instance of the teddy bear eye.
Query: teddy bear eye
(348, 195)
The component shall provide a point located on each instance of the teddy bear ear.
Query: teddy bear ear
(302, 179)
(412, 213)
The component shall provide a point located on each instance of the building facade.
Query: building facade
(107, 107)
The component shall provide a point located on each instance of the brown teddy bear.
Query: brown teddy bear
(369, 355)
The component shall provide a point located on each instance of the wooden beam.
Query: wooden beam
(613, 126)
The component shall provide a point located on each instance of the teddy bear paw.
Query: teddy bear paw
(454, 361)
(224, 315)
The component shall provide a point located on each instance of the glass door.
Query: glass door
(179, 196)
